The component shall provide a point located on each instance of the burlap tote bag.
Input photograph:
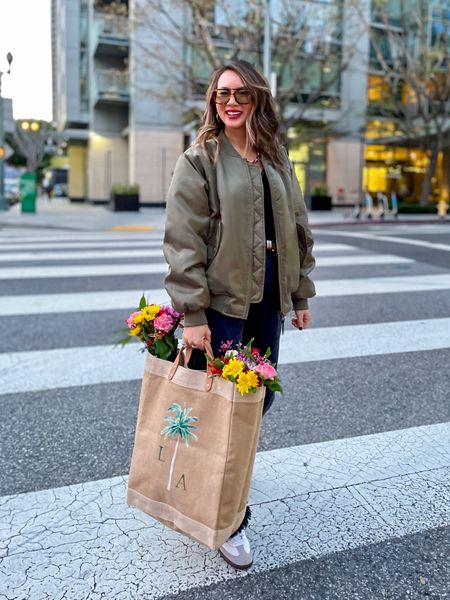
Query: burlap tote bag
(194, 450)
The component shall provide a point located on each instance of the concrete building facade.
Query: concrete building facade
(113, 132)
(117, 131)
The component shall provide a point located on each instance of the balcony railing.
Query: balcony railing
(113, 25)
(113, 86)
(111, 34)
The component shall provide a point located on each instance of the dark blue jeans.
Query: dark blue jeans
(263, 324)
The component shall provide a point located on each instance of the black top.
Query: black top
(269, 224)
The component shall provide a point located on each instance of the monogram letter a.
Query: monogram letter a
(182, 481)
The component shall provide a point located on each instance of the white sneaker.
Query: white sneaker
(236, 551)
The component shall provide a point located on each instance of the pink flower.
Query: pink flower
(168, 310)
(130, 320)
(266, 371)
(164, 322)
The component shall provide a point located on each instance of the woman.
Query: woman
(237, 239)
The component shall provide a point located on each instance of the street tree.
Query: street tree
(411, 52)
(31, 140)
(190, 38)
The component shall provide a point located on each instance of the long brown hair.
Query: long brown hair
(262, 124)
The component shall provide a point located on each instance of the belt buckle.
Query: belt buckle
(270, 245)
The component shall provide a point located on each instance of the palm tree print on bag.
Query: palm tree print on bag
(179, 426)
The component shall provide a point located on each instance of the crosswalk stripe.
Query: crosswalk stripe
(128, 299)
(395, 240)
(81, 255)
(81, 245)
(67, 367)
(366, 259)
(78, 302)
(88, 236)
(328, 343)
(382, 285)
(307, 501)
(39, 272)
(37, 246)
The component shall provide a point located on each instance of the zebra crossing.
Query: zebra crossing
(69, 403)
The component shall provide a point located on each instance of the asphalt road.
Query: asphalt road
(64, 436)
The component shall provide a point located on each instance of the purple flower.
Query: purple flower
(168, 310)
(225, 346)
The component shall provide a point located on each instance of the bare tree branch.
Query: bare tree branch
(31, 143)
(305, 41)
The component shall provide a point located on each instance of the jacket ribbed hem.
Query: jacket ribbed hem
(198, 317)
(300, 303)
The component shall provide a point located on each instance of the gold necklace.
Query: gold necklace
(255, 160)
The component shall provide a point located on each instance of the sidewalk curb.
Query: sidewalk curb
(375, 223)
(4, 225)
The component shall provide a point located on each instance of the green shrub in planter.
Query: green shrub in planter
(414, 208)
(125, 197)
(320, 199)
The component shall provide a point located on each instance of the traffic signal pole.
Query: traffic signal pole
(4, 203)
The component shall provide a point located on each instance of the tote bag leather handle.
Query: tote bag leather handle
(186, 354)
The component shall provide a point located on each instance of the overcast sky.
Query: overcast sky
(25, 32)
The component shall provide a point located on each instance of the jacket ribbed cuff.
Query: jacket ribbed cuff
(193, 318)
(300, 303)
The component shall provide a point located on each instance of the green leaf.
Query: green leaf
(172, 342)
(142, 302)
(162, 349)
(274, 386)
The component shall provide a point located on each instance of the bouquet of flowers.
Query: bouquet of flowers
(155, 326)
(246, 367)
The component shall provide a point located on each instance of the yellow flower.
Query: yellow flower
(149, 312)
(136, 330)
(246, 382)
(232, 369)
(138, 318)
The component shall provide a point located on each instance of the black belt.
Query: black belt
(270, 245)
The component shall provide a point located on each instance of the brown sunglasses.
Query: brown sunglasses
(241, 95)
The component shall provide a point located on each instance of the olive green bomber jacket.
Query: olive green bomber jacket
(214, 239)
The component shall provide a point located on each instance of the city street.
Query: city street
(351, 489)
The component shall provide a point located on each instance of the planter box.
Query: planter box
(320, 202)
(124, 202)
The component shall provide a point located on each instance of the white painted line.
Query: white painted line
(318, 467)
(93, 236)
(127, 299)
(366, 259)
(81, 254)
(382, 285)
(395, 240)
(145, 269)
(322, 247)
(351, 493)
(25, 246)
(327, 343)
(81, 271)
(78, 302)
(67, 367)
